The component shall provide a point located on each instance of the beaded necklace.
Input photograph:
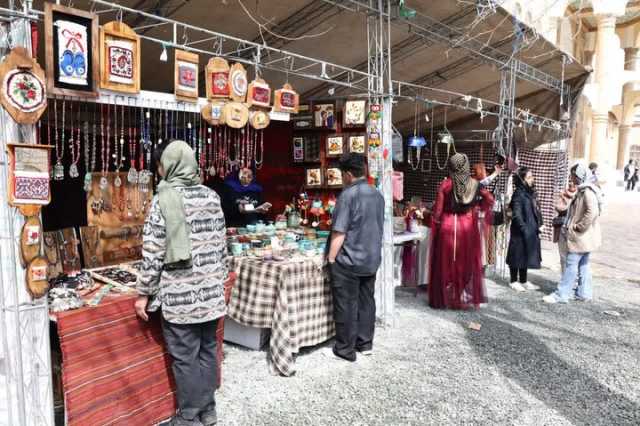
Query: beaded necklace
(132, 176)
(74, 144)
(58, 169)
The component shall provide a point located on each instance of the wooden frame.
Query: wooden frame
(73, 86)
(219, 69)
(357, 148)
(334, 177)
(324, 122)
(298, 145)
(238, 83)
(116, 31)
(313, 177)
(32, 178)
(350, 108)
(185, 83)
(23, 93)
(333, 145)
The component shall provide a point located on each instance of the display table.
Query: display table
(115, 369)
(292, 298)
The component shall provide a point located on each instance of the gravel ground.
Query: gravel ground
(530, 364)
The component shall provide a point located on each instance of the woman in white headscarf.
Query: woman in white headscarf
(582, 231)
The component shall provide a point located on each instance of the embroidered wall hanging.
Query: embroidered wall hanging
(259, 93)
(238, 82)
(355, 113)
(217, 79)
(71, 51)
(23, 92)
(186, 76)
(119, 58)
(213, 113)
(29, 174)
(286, 100)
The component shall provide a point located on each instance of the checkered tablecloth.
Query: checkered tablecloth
(291, 298)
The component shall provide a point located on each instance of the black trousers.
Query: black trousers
(354, 311)
(193, 350)
(518, 275)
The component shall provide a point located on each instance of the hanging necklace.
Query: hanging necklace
(74, 143)
(132, 176)
(119, 148)
(105, 148)
(144, 177)
(259, 163)
(58, 169)
(91, 152)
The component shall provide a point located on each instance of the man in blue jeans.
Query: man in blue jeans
(582, 231)
(355, 253)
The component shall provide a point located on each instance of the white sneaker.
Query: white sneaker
(517, 287)
(531, 286)
(550, 298)
(367, 352)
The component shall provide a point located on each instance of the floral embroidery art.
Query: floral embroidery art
(24, 90)
(187, 76)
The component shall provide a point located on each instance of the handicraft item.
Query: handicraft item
(358, 144)
(286, 100)
(314, 178)
(238, 82)
(334, 177)
(71, 46)
(355, 113)
(119, 58)
(259, 119)
(52, 254)
(29, 174)
(235, 115)
(23, 92)
(298, 150)
(217, 83)
(335, 145)
(30, 239)
(324, 115)
(259, 94)
(213, 113)
(186, 76)
(36, 277)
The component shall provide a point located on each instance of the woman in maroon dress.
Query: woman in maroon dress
(456, 277)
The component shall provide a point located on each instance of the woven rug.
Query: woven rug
(115, 370)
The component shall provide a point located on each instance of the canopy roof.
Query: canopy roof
(329, 31)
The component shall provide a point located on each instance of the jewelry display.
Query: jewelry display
(132, 176)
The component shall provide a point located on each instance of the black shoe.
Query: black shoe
(209, 417)
(178, 420)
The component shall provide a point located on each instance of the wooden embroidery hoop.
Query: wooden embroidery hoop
(19, 58)
(117, 30)
(49, 9)
(190, 58)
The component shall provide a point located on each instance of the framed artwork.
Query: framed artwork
(238, 82)
(314, 178)
(324, 115)
(119, 58)
(335, 145)
(259, 94)
(355, 113)
(357, 144)
(312, 149)
(334, 177)
(71, 51)
(29, 174)
(298, 150)
(286, 100)
(186, 76)
(217, 74)
(23, 93)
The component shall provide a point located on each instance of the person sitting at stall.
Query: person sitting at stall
(184, 279)
(243, 199)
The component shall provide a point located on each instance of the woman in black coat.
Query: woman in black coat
(524, 246)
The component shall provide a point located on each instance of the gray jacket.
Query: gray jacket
(583, 223)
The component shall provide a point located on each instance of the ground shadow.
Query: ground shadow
(525, 359)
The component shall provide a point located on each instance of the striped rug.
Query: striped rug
(115, 370)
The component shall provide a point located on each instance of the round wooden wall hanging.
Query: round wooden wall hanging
(238, 82)
(37, 284)
(213, 113)
(235, 115)
(23, 93)
(30, 239)
(259, 119)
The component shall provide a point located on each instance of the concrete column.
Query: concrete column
(632, 59)
(606, 42)
(625, 138)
